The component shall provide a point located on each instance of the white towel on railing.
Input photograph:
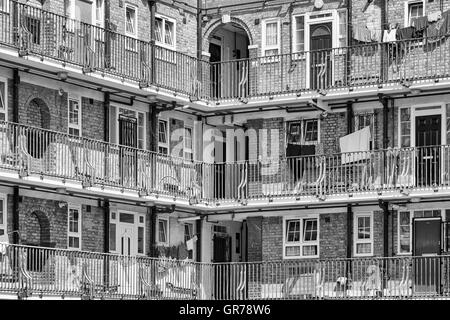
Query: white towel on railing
(358, 141)
(3, 243)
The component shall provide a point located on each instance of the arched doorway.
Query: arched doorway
(37, 234)
(38, 116)
(229, 43)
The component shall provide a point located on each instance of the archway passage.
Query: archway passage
(228, 43)
(39, 116)
(37, 235)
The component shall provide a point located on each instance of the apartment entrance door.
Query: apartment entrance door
(126, 234)
(221, 253)
(427, 247)
(216, 73)
(128, 144)
(428, 135)
(321, 64)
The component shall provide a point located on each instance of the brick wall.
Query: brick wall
(272, 238)
(254, 244)
(333, 235)
(92, 230)
(93, 119)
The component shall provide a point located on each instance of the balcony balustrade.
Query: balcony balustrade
(33, 272)
(43, 34)
(30, 151)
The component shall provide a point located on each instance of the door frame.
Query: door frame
(220, 44)
(136, 224)
(413, 236)
(334, 20)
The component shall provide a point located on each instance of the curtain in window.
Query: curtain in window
(158, 30)
(271, 34)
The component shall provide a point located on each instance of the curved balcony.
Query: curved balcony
(55, 159)
(55, 40)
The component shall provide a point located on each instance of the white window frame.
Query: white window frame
(294, 34)
(357, 241)
(5, 7)
(302, 130)
(166, 144)
(5, 98)
(163, 30)
(135, 8)
(301, 243)
(166, 243)
(99, 22)
(71, 233)
(184, 230)
(265, 47)
(113, 221)
(187, 150)
(144, 138)
(71, 125)
(140, 225)
(408, 3)
(4, 223)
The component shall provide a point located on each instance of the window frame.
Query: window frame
(80, 124)
(5, 7)
(298, 53)
(166, 144)
(135, 8)
(72, 233)
(357, 241)
(264, 46)
(137, 112)
(140, 225)
(303, 131)
(191, 227)
(301, 243)
(167, 242)
(99, 23)
(4, 223)
(407, 13)
(186, 150)
(163, 32)
(5, 97)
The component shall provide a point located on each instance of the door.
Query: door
(216, 56)
(320, 47)
(221, 254)
(427, 247)
(128, 153)
(126, 233)
(428, 135)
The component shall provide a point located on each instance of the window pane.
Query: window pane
(159, 29)
(188, 138)
(112, 237)
(363, 248)
(126, 217)
(162, 225)
(309, 251)
(169, 32)
(188, 233)
(404, 218)
(300, 33)
(271, 34)
(162, 131)
(310, 230)
(1, 213)
(140, 240)
(293, 251)
(130, 20)
(2, 95)
(293, 231)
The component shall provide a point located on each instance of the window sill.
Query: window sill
(300, 257)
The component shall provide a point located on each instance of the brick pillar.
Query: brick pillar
(253, 70)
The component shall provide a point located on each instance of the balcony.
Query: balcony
(38, 157)
(31, 35)
(35, 272)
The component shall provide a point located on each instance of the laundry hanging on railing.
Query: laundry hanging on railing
(354, 146)
(362, 34)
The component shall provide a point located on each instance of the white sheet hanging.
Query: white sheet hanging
(358, 143)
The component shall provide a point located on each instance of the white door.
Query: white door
(126, 234)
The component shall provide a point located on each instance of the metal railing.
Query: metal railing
(34, 151)
(33, 31)
(37, 271)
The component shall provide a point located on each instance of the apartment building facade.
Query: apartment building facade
(219, 131)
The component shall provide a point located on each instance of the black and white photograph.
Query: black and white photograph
(225, 158)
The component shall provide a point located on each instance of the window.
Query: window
(405, 219)
(299, 34)
(165, 32)
(301, 238)
(163, 231)
(74, 227)
(3, 100)
(163, 144)
(188, 231)
(362, 120)
(139, 117)
(3, 215)
(303, 132)
(363, 234)
(131, 27)
(74, 117)
(188, 153)
(99, 13)
(130, 20)
(140, 235)
(405, 127)
(270, 37)
(415, 10)
(4, 5)
(343, 25)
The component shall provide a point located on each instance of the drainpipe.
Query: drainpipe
(199, 44)
(106, 105)
(198, 229)
(106, 220)
(152, 6)
(349, 117)
(349, 239)
(15, 97)
(349, 37)
(151, 211)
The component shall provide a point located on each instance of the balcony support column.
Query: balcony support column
(152, 6)
(107, 35)
(198, 244)
(15, 103)
(349, 239)
(349, 117)
(151, 211)
(106, 220)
